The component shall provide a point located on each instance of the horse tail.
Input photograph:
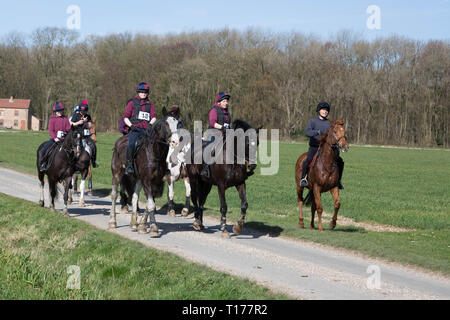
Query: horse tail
(309, 198)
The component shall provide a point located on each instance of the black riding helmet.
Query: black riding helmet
(323, 105)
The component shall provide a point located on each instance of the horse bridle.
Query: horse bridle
(336, 141)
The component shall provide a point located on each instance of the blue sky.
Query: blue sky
(414, 19)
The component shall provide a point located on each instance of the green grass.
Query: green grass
(37, 247)
(407, 188)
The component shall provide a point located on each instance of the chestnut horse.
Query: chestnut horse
(151, 168)
(62, 167)
(323, 174)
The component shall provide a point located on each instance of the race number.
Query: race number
(86, 132)
(144, 116)
(60, 134)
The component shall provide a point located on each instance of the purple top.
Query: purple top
(57, 124)
(129, 112)
(212, 115)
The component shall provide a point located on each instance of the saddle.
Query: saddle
(47, 158)
(312, 162)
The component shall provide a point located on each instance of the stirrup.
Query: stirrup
(129, 170)
(340, 186)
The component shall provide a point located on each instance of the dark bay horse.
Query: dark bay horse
(62, 167)
(83, 165)
(93, 135)
(224, 176)
(151, 168)
(323, 174)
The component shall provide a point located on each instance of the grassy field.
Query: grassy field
(406, 188)
(37, 249)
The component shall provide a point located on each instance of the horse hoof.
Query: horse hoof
(225, 234)
(332, 225)
(41, 203)
(172, 213)
(52, 209)
(134, 227)
(198, 226)
(82, 204)
(301, 225)
(237, 228)
(154, 231)
(185, 212)
(65, 212)
(69, 201)
(112, 225)
(142, 229)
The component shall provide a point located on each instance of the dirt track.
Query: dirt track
(299, 269)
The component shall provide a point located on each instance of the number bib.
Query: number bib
(86, 132)
(60, 134)
(144, 116)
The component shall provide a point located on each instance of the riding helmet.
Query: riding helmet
(58, 107)
(83, 107)
(323, 105)
(143, 87)
(222, 96)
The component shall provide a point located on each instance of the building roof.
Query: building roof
(15, 104)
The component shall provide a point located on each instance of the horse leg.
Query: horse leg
(125, 201)
(223, 212)
(75, 182)
(112, 214)
(52, 192)
(318, 206)
(170, 194)
(82, 186)
(137, 190)
(237, 229)
(41, 185)
(71, 191)
(187, 204)
(150, 210)
(90, 179)
(337, 205)
(300, 206)
(68, 181)
(197, 225)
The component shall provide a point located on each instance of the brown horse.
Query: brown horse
(62, 167)
(83, 166)
(151, 168)
(323, 174)
(224, 176)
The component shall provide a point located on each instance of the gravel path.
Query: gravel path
(300, 269)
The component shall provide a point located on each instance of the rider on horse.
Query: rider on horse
(58, 127)
(78, 119)
(139, 114)
(315, 128)
(219, 118)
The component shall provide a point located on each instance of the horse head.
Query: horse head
(93, 130)
(336, 135)
(73, 141)
(167, 127)
(251, 140)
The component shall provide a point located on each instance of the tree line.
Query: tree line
(389, 91)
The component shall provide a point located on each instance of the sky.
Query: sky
(421, 20)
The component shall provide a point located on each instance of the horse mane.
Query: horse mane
(323, 137)
(241, 124)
